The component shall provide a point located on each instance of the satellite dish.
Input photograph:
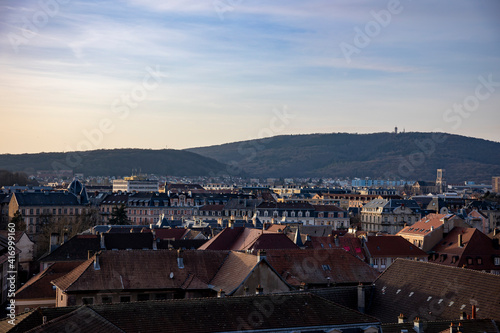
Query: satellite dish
(171, 275)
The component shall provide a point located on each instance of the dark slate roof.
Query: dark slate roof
(29, 320)
(344, 295)
(285, 205)
(230, 314)
(433, 292)
(127, 241)
(46, 199)
(75, 249)
(467, 325)
(83, 319)
(77, 188)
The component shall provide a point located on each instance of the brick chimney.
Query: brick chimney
(473, 315)
(460, 242)
(259, 290)
(221, 293)
(401, 318)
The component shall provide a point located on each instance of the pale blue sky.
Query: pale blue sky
(223, 69)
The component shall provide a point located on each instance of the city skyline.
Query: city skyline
(97, 75)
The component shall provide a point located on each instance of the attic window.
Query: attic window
(479, 261)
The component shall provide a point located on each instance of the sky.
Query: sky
(85, 75)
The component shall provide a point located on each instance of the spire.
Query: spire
(298, 239)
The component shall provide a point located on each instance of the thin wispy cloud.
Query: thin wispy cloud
(227, 64)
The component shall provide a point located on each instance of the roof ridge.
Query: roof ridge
(88, 263)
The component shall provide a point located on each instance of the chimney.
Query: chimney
(336, 239)
(96, 262)
(259, 290)
(65, 238)
(261, 255)
(473, 315)
(221, 293)
(495, 232)
(44, 319)
(103, 245)
(460, 243)
(180, 260)
(401, 318)
(54, 241)
(451, 327)
(463, 316)
(155, 246)
(418, 325)
(361, 298)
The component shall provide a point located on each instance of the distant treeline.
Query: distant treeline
(8, 178)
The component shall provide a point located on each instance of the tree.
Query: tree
(18, 221)
(119, 216)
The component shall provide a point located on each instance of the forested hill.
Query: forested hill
(116, 162)
(413, 156)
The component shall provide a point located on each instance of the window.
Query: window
(143, 297)
(107, 299)
(124, 299)
(87, 300)
(497, 261)
(326, 267)
(469, 261)
(479, 261)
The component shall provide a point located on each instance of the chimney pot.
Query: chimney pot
(473, 315)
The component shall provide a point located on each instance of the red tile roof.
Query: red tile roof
(174, 233)
(392, 246)
(240, 238)
(425, 225)
(475, 245)
(39, 286)
(142, 269)
(314, 266)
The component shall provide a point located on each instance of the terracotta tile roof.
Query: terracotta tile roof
(83, 319)
(392, 246)
(476, 245)
(31, 319)
(142, 269)
(234, 271)
(314, 266)
(276, 228)
(349, 244)
(425, 225)
(39, 286)
(230, 314)
(223, 240)
(433, 291)
(272, 241)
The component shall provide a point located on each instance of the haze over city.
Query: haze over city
(183, 74)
